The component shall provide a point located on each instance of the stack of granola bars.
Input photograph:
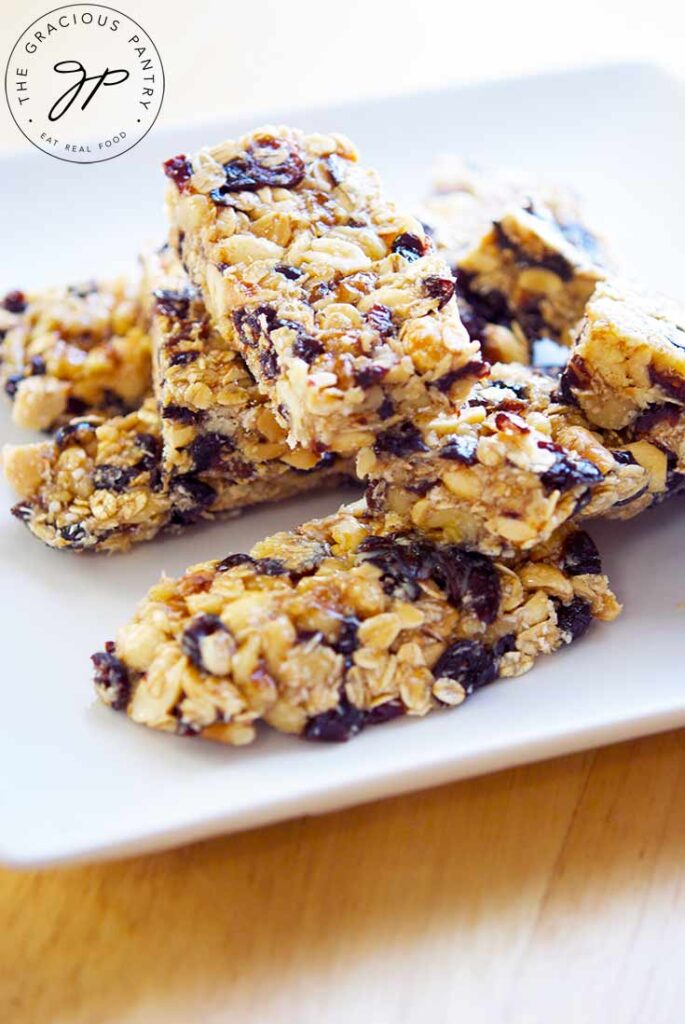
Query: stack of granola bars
(297, 328)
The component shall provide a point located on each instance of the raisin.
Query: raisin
(75, 534)
(202, 626)
(334, 166)
(400, 440)
(379, 317)
(270, 567)
(231, 561)
(181, 414)
(268, 360)
(347, 642)
(38, 366)
(403, 561)
(246, 174)
(207, 450)
(375, 495)
(183, 358)
(672, 383)
(475, 368)
(23, 511)
(656, 415)
(471, 581)
(180, 170)
(554, 261)
(482, 309)
(574, 618)
(172, 303)
(111, 677)
(623, 458)
(76, 407)
(191, 495)
(370, 375)
(386, 409)
(306, 347)
(581, 555)
(411, 247)
(12, 384)
(74, 433)
(291, 273)
(468, 662)
(460, 449)
(107, 477)
(567, 472)
(384, 712)
(441, 288)
(336, 726)
(15, 302)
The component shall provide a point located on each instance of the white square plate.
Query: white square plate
(79, 781)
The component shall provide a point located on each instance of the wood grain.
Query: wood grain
(553, 892)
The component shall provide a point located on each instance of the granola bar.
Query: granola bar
(220, 437)
(101, 484)
(514, 463)
(629, 356)
(525, 270)
(97, 485)
(338, 625)
(73, 351)
(337, 301)
(466, 202)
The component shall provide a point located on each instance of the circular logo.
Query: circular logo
(84, 83)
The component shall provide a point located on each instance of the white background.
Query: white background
(243, 55)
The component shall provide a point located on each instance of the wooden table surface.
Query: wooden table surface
(550, 893)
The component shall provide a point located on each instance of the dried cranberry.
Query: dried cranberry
(655, 416)
(111, 677)
(14, 302)
(574, 618)
(180, 170)
(174, 303)
(379, 317)
(246, 174)
(567, 472)
(384, 712)
(460, 449)
(107, 477)
(336, 726)
(400, 440)
(581, 555)
(200, 627)
(441, 288)
(411, 247)
(467, 662)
